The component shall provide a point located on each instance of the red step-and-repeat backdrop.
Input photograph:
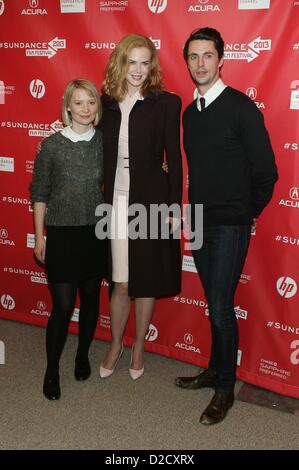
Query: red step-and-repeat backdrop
(43, 45)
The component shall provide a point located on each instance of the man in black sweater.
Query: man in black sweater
(232, 173)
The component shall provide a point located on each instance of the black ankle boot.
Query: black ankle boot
(82, 369)
(51, 388)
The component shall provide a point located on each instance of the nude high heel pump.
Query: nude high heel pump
(105, 373)
(135, 373)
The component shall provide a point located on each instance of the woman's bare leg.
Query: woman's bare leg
(144, 307)
(119, 313)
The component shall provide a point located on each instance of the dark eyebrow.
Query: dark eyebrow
(205, 53)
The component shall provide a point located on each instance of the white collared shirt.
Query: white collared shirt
(211, 94)
(69, 133)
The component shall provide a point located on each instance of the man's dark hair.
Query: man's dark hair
(209, 34)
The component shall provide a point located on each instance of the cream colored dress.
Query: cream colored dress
(119, 224)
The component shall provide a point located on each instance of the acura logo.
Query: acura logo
(41, 305)
(251, 92)
(3, 233)
(33, 3)
(294, 194)
(188, 338)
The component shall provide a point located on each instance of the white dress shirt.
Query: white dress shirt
(211, 94)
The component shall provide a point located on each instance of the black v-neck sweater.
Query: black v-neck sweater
(231, 163)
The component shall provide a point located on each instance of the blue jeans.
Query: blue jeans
(219, 264)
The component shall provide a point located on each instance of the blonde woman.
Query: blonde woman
(65, 190)
(140, 127)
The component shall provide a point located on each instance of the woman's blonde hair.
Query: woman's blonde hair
(90, 88)
(115, 84)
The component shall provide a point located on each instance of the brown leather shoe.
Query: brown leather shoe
(205, 379)
(218, 408)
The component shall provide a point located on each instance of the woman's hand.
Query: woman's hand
(165, 166)
(40, 249)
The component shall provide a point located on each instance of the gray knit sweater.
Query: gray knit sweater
(68, 177)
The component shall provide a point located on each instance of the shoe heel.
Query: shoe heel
(105, 373)
(135, 373)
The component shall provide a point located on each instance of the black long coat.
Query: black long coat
(154, 131)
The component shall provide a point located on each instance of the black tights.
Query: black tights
(64, 298)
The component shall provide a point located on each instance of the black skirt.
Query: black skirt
(74, 254)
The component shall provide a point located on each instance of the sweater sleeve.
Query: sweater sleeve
(257, 146)
(173, 150)
(41, 184)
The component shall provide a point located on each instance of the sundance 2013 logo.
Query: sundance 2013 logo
(52, 48)
(35, 129)
(249, 52)
(37, 49)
